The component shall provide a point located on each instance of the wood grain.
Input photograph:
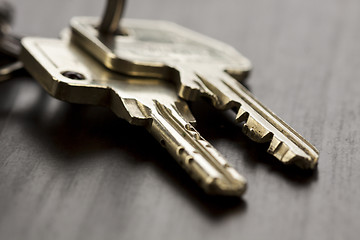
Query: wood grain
(77, 172)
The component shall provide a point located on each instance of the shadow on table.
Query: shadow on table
(73, 130)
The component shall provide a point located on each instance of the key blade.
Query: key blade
(260, 124)
(200, 159)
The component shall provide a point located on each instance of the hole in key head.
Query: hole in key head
(73, 75)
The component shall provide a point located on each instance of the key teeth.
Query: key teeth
(184, 111)
(282, 152)
(191, 86)
(256, 132)
(253, 129)
(242, 115)
(187, 92)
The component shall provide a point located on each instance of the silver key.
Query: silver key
(69, 74)
(200, 66)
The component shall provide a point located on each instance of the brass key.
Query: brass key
(200, 66)
(69, 74)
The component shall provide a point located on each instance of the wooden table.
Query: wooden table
(77, 172)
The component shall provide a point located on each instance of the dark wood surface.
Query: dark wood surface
(77, 172)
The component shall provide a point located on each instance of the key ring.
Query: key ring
(9, 43)
(111, 17)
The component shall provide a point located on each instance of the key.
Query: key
(69, 74)
(9, 44)
(201, 67)
(8, 71)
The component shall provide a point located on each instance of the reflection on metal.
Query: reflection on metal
(200, 66)
(151, 103)
(145, 77)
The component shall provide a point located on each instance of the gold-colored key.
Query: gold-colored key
(201, 67)
(69, 74)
